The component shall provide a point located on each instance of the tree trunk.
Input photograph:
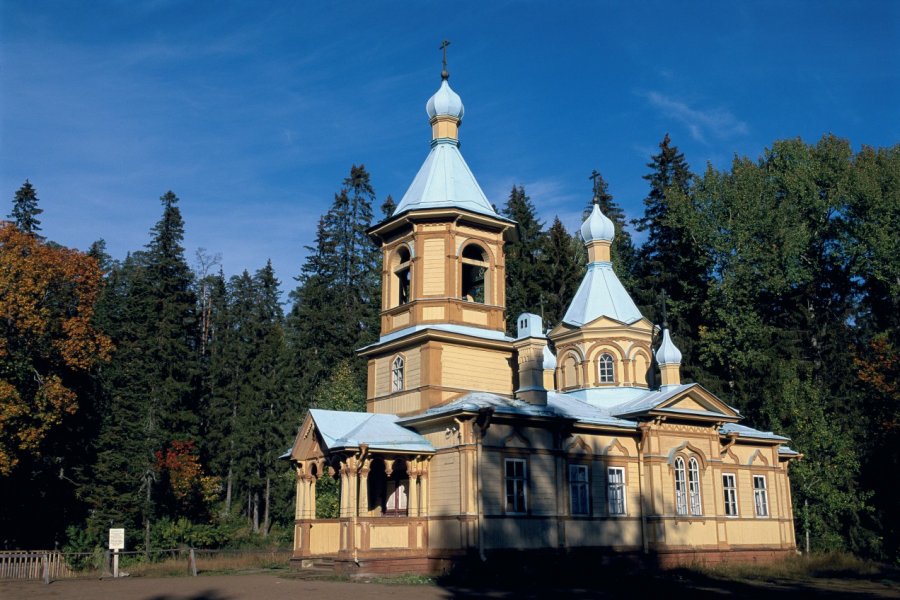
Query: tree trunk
(228, 487)
(255, 506)
(265, 523)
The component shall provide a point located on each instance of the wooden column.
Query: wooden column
(300, 494)
(363, 508)
(412, 504)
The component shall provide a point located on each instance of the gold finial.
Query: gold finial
(444, 73)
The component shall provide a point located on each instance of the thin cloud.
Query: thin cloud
(701, 123)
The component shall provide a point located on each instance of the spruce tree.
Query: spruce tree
(152, 386)
(622, 251)
(25, 209)
(337, 304)
(562, 273)
(388, 207)
(670, 260)
(524, 258)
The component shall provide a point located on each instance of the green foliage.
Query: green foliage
(524, 259)
(25, 209)
(563, 269)
(791, 297)
(169, 533)
(341, 391)
(672, 261)
(328, 498)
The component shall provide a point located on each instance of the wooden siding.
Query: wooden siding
(475, 368)
(433, 267)
(444, 485)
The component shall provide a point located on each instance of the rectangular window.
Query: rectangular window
(615, 490)
(760, 496)
(515, 485)
(579, 498)
(730, 489)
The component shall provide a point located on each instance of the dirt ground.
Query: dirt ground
(274, 587)
(213, 587)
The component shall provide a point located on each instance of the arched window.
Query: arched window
(680, 488)
(605, 368)
(397, 374)
(475, 266)
(694, 486)
(402, 276)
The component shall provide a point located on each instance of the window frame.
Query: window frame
(467, 263)
(622, 496)
(584, 485)
(398, 374)
(694, 488)
(519, 483)
(730, 495)
(761, 492)
(606, 369)
(681, 498)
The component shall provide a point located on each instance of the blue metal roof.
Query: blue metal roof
(445, 181)
(597, 227)
(601, 294)
(749, 432)
(668, 353)
(343, 429)
(486, 334)
(445, 102)
(558, 406)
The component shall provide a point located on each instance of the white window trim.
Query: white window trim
(761, 492)
(696, 506)
(621, 484)
(681, 505)
(731, 499)
(602, 365)
(398, 374)
(585, 483)
(523, 481)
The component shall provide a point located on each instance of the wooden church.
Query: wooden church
(476, 444)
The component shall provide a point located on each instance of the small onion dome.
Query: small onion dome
(549, 358)
(668, 354)
(597, 227)
(445, 102)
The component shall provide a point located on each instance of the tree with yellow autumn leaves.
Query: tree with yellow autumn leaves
(47, 296)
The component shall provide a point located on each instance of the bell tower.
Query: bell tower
(443, 278)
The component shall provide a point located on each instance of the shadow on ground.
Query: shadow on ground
(576, 579)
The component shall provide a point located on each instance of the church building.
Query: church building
(476, 444)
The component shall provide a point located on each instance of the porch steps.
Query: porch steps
(315, 568)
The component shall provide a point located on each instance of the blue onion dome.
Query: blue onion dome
(668, 353)
(445, 102)
(597, 227)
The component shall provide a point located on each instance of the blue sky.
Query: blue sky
(253, 112)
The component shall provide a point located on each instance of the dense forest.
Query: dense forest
(138, 392)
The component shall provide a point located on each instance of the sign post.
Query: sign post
(116, 543)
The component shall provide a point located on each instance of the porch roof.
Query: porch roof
(342, 429)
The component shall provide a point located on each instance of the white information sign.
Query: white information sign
(116, 539)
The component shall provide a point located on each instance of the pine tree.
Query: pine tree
(622, 251)
(563, 271)
(336, 306)
(388, 207)
(25, 209)
(524, 258)
(671, 261)
(151, 388)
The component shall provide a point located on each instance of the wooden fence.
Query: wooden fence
(29, 564)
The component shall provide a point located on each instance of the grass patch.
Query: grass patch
(213, 563)
(830, 565)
